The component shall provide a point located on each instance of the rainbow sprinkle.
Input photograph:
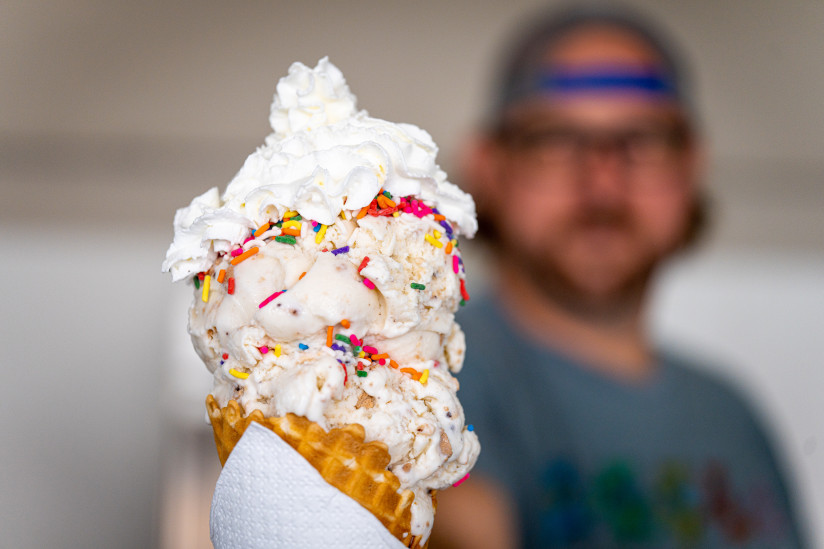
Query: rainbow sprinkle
(277, 349)
(285, 239)
(270, 298)
(424, 377)
(239, 375)
(262, 229)
(466, 476)
(245, 255)
(320, 235)
(437, 243)
(206, 283)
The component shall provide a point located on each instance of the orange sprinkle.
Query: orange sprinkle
(245, 255)
(291, 231)
(362, 212)
(262, 229)
(221, 276)
(393, 363)
(344, 323)
(385, 202)
(302, 275)
(330, 335)
(448, 249)
(439, 217)
(416, 375)
(380, 356)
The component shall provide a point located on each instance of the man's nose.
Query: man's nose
(604, 171)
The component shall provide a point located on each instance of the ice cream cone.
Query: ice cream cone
(344, 460)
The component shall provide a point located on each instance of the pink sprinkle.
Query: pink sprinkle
(314, 223)
(236, 252)
(455, 263)
(268, 299)
(368, 283)
(248, 239)
(382, 361)
(263, 350)
(466, 476)
(437, 363)
(407, 210)
(354, 339)
(369, 349)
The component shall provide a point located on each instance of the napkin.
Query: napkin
(269, 496)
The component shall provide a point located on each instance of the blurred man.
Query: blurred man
(586, 179)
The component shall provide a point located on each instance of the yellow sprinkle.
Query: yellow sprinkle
(343, 215)
(291, 223)
(396, 214)
(321, 233)
(437, 233)
(239, 375)
(206, 280)
(424, 376)
(277, 349)
(436, 243)
(290, 213)
(361, 354)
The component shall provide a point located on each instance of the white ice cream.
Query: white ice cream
(323, 164)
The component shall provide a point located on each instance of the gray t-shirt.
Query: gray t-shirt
(594, 462)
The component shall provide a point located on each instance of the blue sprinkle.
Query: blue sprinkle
(337, 347)
(470, 427)
(447, 228)
(341, 250)
(303, 346)
(221, 363)
(316, 228)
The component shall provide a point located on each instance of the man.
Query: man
(586, 179)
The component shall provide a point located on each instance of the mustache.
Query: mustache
(603, 216)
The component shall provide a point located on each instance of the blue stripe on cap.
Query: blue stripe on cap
(604, 79)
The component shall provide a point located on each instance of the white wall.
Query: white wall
(114, 114)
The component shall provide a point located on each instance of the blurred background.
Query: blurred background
(114, 114)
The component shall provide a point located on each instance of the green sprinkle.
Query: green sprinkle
(279, 224)
(356, 350)
(197, 283)
(416, 286)
(387, 194)
(462, 303)
(296, 218)
(341, 337)
(285, 238)
(361, 373)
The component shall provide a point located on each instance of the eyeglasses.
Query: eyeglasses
(567, 147)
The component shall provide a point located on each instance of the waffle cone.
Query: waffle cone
(344, 460)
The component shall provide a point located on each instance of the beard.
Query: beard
(597, 264)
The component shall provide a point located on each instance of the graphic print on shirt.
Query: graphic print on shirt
(678, 504)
